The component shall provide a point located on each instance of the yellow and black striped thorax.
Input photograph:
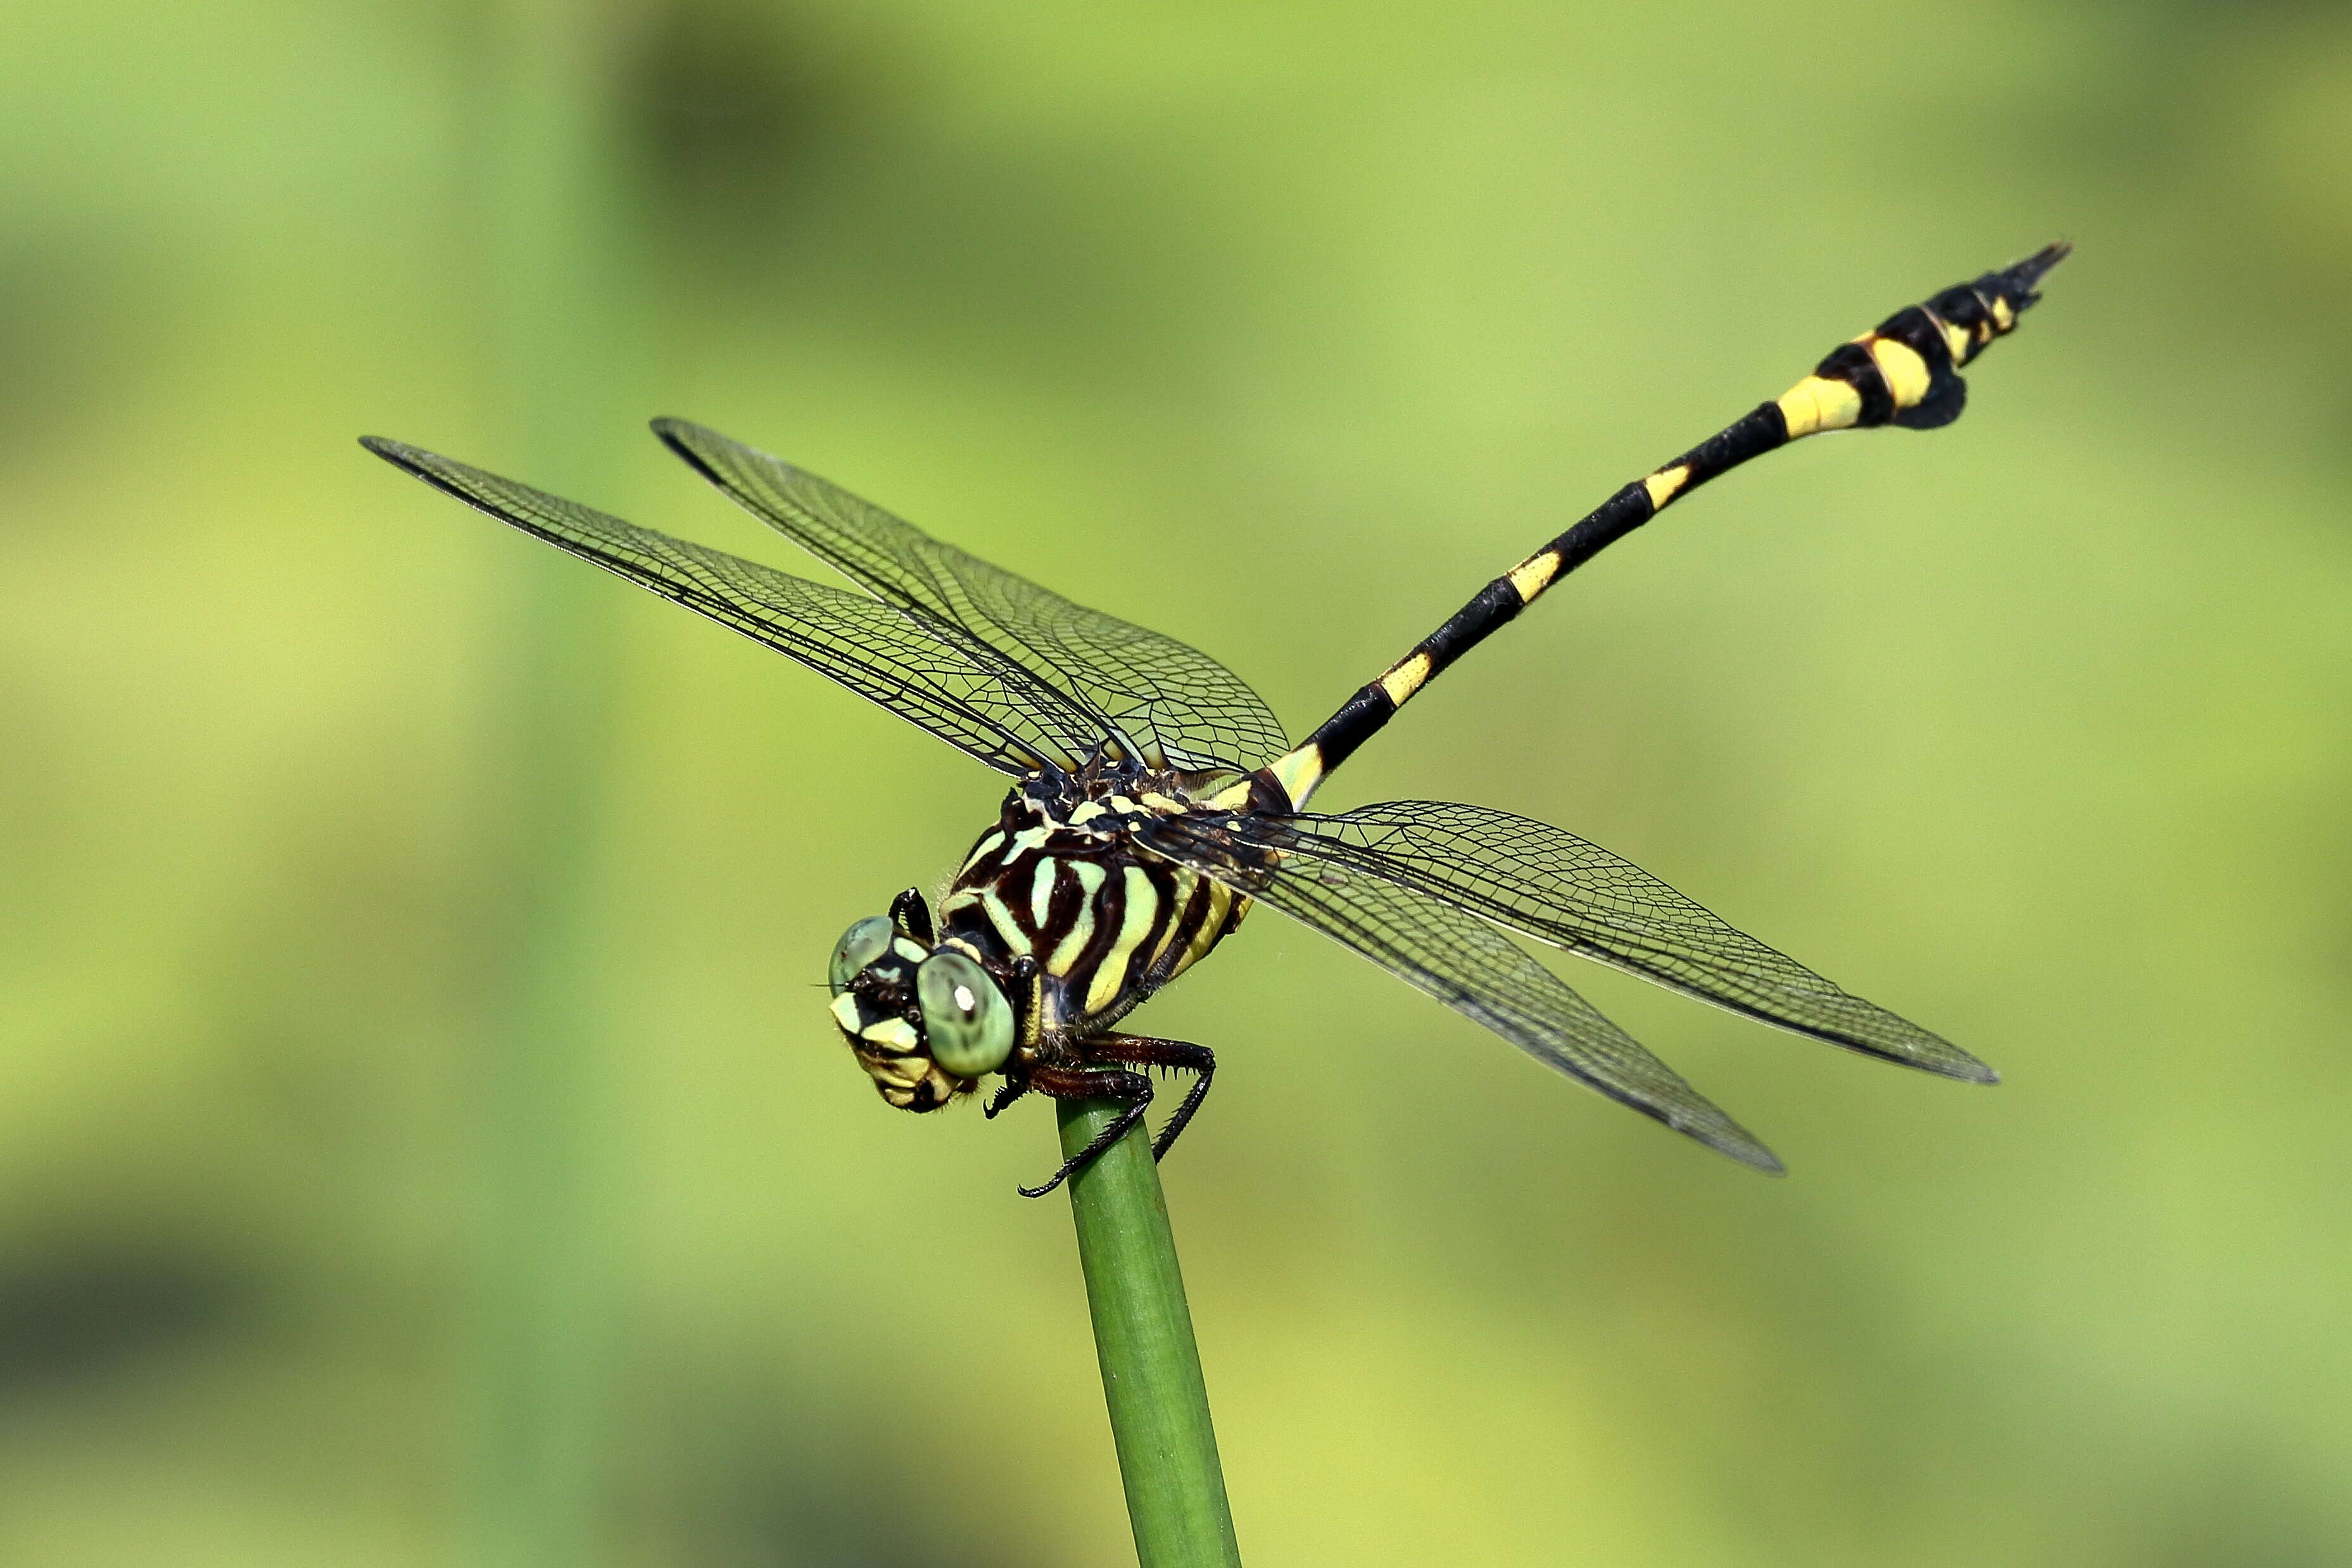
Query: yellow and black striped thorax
(1060, 880)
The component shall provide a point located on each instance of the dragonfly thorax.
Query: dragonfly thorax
(1061, 884)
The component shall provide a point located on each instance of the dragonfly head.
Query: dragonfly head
(924, 1020)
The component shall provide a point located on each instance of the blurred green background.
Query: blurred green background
(421, 1142)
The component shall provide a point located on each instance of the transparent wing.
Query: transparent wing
(931, 673)
(1172, 704)
(1455, 957)
(1574, 895)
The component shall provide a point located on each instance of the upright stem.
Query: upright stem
(1143, 1336)
(541, 233)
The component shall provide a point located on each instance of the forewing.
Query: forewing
(1457, 958)
(1175, 705)
(932, 673)
(1561, 889)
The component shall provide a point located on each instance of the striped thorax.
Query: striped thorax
(1069, 921)
(1060, 881)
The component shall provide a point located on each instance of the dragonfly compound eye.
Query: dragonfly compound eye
(967, 1022)
(860, 945)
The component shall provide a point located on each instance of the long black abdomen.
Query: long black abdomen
(1904, 371)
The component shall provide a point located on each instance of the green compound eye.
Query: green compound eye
(966, 1020)
(860, 945)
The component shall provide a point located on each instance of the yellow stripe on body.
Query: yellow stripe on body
(1817, 404)
(1088, 810)
(1233, 798)
(995, 837)
(1406, 679)
(1666, 484)
(1534, 574)
(1001, 919)
(1135, 924)
(1957, 341)
(1082, 930)
(1211, 927)
(1297, 773)
(1900, 366)
(1040, 892)
(1181, 882)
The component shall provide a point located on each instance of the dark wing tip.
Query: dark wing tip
(401, 454)
(447, 475)
(684, 436)
(1944, 1059)
(1705, 1123)
(695, 444)
(676, 433)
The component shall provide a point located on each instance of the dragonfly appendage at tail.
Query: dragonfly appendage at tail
(1903, 372)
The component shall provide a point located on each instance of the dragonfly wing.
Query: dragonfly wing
(1172, 704)
(929, 672)
(1574, 895)
(1455, 957)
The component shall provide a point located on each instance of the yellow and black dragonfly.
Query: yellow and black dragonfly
(1156, 798)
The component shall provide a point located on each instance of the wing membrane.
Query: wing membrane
(1574, 895)
(1171, 703)
(1455, 957)
(933, 673)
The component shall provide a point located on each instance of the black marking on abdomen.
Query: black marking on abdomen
(1905, 371)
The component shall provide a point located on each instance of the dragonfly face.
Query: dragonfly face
(1157, 799)
(924, 1020)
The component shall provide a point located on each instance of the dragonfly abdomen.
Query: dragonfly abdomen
(1904, 371)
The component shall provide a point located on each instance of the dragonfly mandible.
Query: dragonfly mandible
(1156, 798)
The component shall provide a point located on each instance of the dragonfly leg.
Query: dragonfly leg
(1013, 1090)
(1174, 1055)
(1090, 1083)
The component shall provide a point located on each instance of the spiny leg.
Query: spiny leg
(1176, 1055)
(1013, 1089)
(1090, 1083)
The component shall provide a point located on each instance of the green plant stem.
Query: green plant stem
(1143, 1336)
(539, 231)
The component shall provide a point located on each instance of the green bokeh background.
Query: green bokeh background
(420, 1141)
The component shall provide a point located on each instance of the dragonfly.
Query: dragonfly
(1156, 799)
